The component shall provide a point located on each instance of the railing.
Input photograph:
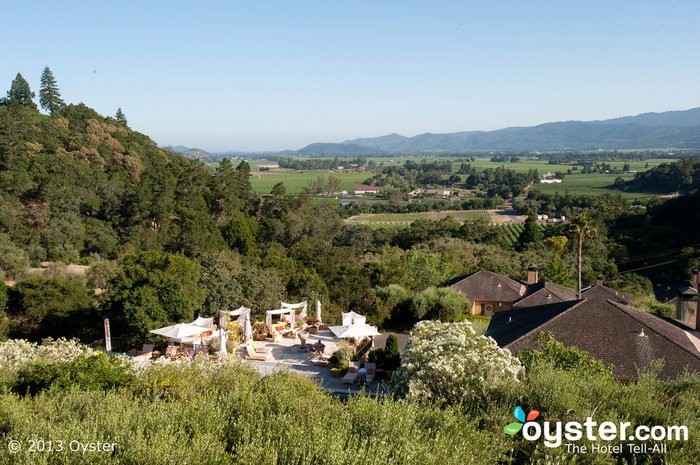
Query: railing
(362, 351)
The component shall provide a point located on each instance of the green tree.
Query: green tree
(584, 227)
(230, 284)
(120, 118)
(392, 359)
(13, 260)
(531, 233)
(40, 307)
(440, 303)
(150, 291)
(20, 93)
(49, 95)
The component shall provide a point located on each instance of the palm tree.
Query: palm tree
(584, 227)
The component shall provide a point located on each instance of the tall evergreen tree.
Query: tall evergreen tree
(20, 93)
(120, 118)
(531, 233)
(49, 96)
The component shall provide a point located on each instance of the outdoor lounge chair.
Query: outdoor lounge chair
(371, 373)
(259, 357)
(259, 350)
(352, 374)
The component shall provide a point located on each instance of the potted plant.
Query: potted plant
(313, 329)
(260, 331)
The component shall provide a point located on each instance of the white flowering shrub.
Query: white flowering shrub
(15, 353)
(448, 363)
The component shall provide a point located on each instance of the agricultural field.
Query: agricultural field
(407, 218)
(512, 230)
(589, 184)
(295, 181)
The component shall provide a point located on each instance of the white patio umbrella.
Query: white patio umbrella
(354, 331)
(180, 331)
(205, 322)
(318, 311)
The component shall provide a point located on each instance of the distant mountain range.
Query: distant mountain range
(670, 129)
(677, 129)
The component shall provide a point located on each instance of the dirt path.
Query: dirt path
(506, 216)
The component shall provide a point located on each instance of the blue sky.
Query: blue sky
(269, 75)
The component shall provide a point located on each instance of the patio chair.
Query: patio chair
(352, 374)
(258, 357)
(371, 373)
(259, 350)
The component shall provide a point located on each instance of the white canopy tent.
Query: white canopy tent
(243, 314)
(290, 312)
(318, 311)
(180, 331)
(303, 305)
(356, 331)
(352, 318)
(204, 322)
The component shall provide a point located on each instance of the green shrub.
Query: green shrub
(566, 358)
(392, 359)
(98, 372)
(345, 353)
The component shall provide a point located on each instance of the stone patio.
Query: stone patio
(287, 355)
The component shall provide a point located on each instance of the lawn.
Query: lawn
(295, 181)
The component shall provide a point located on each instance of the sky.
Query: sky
(273, 75)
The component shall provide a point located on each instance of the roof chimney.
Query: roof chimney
(599, 280)
(695, 277)
(532, 274)
(687, 307)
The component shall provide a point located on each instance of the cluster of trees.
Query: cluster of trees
(680, 176)
(319, 163)
(502, 182)
(415, 174)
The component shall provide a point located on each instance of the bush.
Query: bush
(444, 304)
(448, 364)
(392, 359)
(45, 307)
(565, 358)
(345, 353)
(97, 372)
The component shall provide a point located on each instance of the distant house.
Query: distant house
(359, 190)
(549, 178)
(491, 292)
(619, 335)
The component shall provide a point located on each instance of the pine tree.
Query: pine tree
(531, 233)
(20, 93)
(49, 96)
(120, 118)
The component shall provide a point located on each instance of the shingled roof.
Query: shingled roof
(604, 293)
(615, 333)
(489, 286)
(544, 293)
